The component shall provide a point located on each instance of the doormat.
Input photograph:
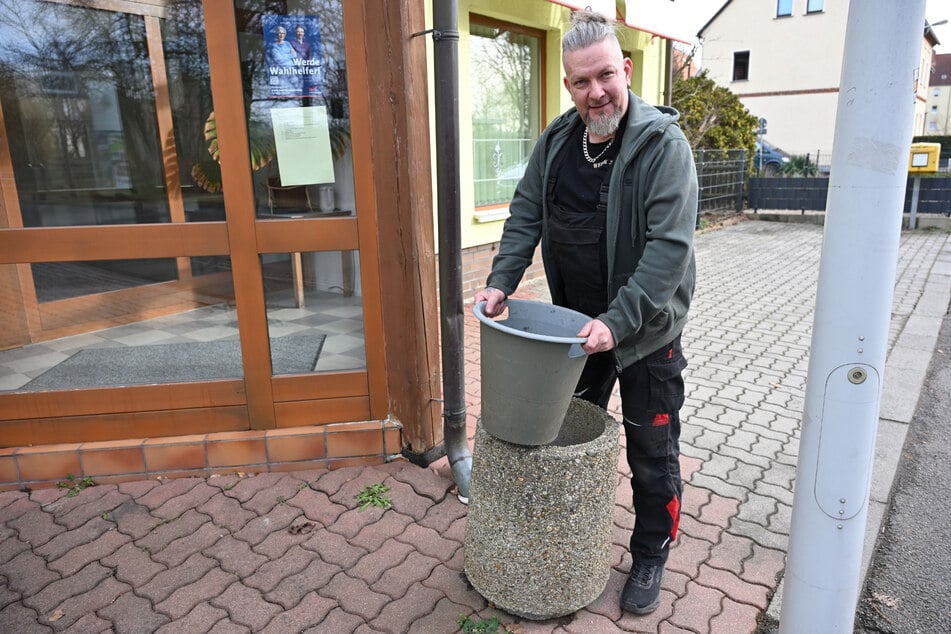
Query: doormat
(173, 363)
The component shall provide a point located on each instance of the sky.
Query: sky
(935, 11)
(700, 11)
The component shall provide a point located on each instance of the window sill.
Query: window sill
(491, 214)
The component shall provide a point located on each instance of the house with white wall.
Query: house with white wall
(783, 59)
(938, 118)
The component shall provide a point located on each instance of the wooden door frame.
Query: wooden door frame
(228, 100)
(396, 107)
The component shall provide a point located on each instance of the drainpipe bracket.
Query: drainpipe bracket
(439, 34)
(426, 458)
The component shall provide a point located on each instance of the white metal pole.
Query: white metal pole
(873, 131)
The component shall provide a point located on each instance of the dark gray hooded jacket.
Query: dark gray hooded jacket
(651, 217)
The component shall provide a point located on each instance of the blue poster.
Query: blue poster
(293, 57)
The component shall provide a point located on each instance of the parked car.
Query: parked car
(768, 159)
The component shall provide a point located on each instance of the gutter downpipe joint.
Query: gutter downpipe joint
(446, 56)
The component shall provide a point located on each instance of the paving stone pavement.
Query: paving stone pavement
(294, 552)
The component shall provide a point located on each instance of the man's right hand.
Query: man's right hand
(494, 301)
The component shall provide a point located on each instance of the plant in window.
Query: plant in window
(207, 172)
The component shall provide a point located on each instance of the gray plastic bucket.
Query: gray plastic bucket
(531, 363)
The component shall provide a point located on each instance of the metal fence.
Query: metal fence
(934, 196)
(788, 193)
(726, 185)
(721, 175)
(823, 161)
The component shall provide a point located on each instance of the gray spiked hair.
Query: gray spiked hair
(587, 28)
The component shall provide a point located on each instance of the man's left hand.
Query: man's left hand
(600, 337)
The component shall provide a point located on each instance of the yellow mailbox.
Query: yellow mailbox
(924, 157)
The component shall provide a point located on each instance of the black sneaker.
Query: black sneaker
(641, 593)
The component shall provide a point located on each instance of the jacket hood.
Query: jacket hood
(643, 118)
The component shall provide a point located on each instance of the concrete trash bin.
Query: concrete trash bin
(530, 364)
(538, 531)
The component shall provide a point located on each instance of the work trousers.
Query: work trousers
(652, 393)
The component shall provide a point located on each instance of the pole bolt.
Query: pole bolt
(857, 375)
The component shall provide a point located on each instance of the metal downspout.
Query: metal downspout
(669, 78)
(446, 55)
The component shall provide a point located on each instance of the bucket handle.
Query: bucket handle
(574, 351)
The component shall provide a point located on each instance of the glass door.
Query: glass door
(295, 185)
(145, 266)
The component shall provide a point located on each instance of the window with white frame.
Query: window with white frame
(814, 6)
(506, 67)
(783, 8)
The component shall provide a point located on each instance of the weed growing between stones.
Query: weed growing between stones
(374, 495)
(74, 486)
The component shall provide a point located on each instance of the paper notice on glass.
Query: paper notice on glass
(302, 137)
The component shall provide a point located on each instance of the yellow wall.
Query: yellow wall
(650, 63)
(648, 55)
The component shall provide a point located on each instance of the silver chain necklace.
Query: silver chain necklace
(584, 147)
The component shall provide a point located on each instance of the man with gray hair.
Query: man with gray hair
(611, 193)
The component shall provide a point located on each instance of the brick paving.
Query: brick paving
(293, 552)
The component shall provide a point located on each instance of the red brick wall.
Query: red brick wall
(477, 262)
